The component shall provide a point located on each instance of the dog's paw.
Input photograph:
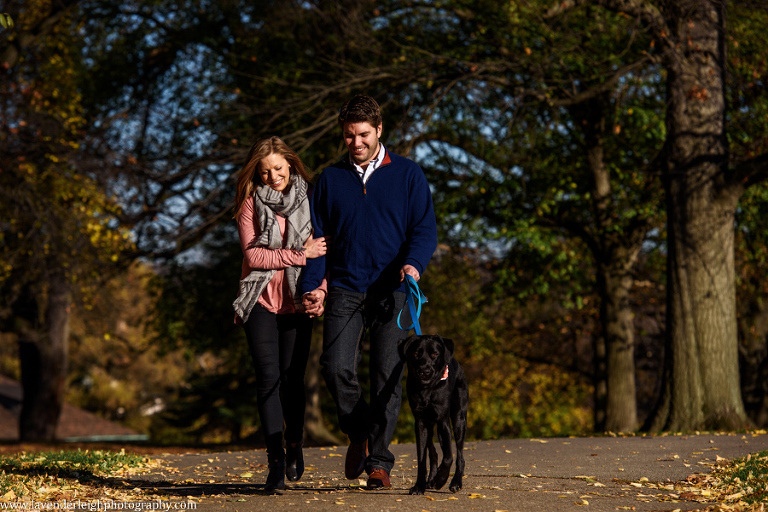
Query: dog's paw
(416, 490)
(440, 478)
(455, 484)
(436, 484)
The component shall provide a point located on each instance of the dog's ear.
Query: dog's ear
(402, 346)
(448, 344)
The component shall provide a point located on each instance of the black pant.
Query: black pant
(347, 316)
(279, 346)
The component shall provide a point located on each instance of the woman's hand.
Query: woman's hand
(313, 302)
(315, 247)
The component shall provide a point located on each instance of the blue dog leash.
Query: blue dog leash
(414, 299)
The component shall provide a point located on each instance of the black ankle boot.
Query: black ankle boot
(294, 461)
(276, 477)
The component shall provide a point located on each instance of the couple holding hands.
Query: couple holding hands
(341, 249)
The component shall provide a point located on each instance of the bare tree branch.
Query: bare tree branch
(752, 171)
(643, 10)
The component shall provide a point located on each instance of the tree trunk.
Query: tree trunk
(614, 285)
(599, 380)
(615, 254)
(44, 366)
(701, 376)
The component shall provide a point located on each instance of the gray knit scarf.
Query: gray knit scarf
(294, 206)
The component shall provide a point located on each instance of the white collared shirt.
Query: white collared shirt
(374, 164)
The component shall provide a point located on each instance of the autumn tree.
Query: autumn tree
(683, 44)
(528, 122)
(58, 231)
(703, 184)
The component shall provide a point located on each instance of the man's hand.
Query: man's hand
(411, 271)
(313, 302)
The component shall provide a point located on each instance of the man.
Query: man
(376, 208)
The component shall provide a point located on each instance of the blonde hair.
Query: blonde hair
(248, 174)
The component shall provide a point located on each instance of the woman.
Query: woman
(273, 220)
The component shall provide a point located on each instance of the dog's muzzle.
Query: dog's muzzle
(425, 373)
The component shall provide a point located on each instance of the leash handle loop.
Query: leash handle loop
(415, 298)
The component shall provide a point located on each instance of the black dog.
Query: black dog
(438, 393)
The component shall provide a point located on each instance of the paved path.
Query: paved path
(597, 474)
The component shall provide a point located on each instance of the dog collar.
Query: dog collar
(445, 373)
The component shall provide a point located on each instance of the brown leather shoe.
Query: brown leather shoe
(378, 478)
(354, 465)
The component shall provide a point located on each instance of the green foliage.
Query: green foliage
(513, 398)
(506, 150)
(747, 82)
(522, 375)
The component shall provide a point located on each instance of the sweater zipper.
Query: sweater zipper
(365, 187)
(365, 190)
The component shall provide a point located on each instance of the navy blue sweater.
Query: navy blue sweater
(376, 227)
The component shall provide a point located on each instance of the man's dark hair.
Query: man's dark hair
(360, 109)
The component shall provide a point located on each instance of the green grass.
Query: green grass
(20, 472)
(748, 475)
